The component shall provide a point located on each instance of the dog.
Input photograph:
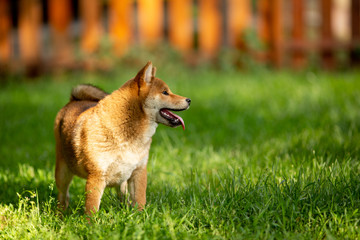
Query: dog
(105, 138)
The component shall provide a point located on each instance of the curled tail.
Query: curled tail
(87, 92)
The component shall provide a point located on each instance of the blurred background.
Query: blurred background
(38, 36)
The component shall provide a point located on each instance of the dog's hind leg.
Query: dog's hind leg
(63, 177)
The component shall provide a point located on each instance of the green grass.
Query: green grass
(265, 155)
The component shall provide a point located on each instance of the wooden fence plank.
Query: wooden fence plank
(5, 33)
(263, 17)
(355, 33)
(181, 24)
(277, 32)
(150, 20)
(121, 24)
(298, 46)
(271, 29)
(327, 42)
(209, 27)
(239, 19)
(90, 11)
(60, 18)
(30, 15)
(263, 28)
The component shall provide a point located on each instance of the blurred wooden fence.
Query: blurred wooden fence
(200, 27)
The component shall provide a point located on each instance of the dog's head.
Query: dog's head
(159, 101)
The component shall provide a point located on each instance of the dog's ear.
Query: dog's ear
(148, 70)
(145, 74)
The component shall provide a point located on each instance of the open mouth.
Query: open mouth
(173, 119)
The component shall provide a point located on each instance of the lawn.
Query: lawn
(265, 155)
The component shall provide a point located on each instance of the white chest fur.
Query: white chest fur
(117, 166)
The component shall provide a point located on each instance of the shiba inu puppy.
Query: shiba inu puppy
(105, 138)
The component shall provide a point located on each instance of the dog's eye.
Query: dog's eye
(165, 93)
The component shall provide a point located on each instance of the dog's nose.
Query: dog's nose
(188, 100)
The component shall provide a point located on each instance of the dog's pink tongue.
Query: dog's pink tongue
(176, 116)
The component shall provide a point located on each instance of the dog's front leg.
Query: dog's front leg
(137, 187)
(122, 192)
(94, 190)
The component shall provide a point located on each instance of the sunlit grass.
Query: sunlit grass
(264, 155)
